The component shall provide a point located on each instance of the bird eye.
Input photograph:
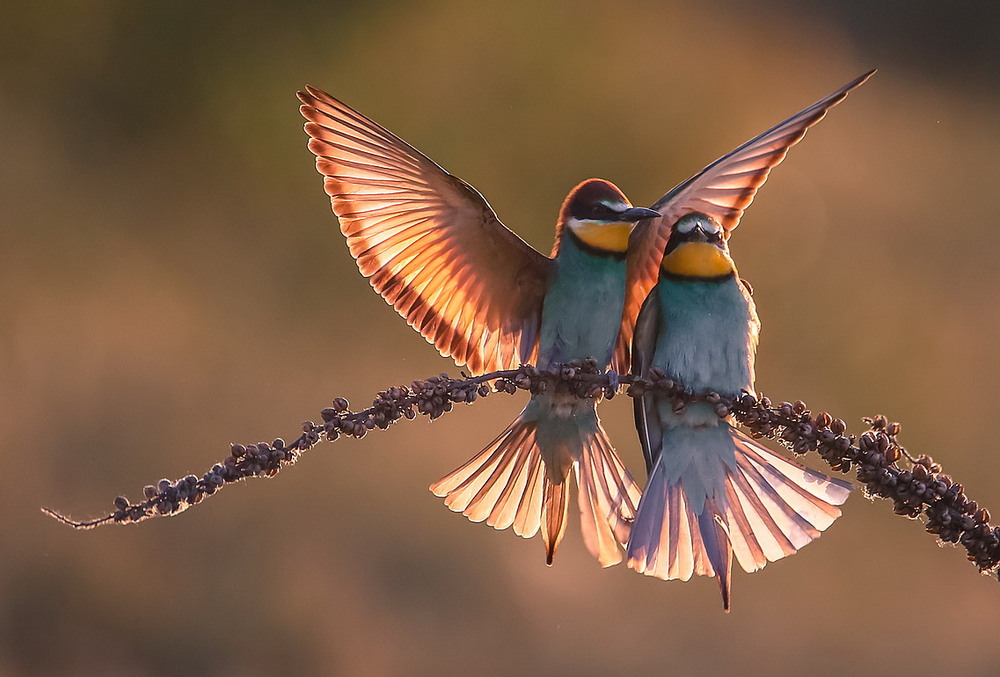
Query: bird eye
(710, 227)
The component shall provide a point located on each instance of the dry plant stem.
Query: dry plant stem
(919, 490)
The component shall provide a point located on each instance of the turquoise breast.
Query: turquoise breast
(582, 311)
(708, 336)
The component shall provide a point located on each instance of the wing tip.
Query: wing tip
(861, 79)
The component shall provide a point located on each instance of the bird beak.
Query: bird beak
(698, 235)
(638, 214)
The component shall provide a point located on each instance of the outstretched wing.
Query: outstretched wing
(723, 190)
(428, 242)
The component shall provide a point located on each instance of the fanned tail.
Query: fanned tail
(503, 484)
(507, 485)
(735, 498)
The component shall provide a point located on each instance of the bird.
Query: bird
(433, 248)
(712, 492)
(522, 477)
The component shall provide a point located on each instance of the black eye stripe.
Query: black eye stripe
(594, 212)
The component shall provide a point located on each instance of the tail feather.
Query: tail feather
(664, 547)
(784, 520)
(684, 539)
(608, 498)
(747, 549)
(761, 508)
(555, 507)
(519, 484)
(527, 518)
(508, 485)
(502, 485)
(598, 536)
(813, 494)
(618, 492)
(716, 544)
(646, 536)
(763, 525)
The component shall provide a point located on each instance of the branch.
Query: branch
(919, 490)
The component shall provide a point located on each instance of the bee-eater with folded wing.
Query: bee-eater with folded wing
(433, 248)
(712, 492)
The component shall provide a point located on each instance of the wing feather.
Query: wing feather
(723, 190)
(427, 241)
(649, 325)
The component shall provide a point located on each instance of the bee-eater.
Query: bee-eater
(434, 249)
(712, 492)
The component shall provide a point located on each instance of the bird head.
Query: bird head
(599, 216)
(698, 248)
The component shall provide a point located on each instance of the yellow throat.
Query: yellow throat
(698, 259)
(609, 237)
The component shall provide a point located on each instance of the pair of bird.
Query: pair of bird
(633, 288)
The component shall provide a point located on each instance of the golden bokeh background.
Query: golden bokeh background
(173, 280)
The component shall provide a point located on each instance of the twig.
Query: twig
(921, 490)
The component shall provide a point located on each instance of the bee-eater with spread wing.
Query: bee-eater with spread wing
(433, 248)
(712, 491)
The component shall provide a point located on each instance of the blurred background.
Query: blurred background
(173, 281)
